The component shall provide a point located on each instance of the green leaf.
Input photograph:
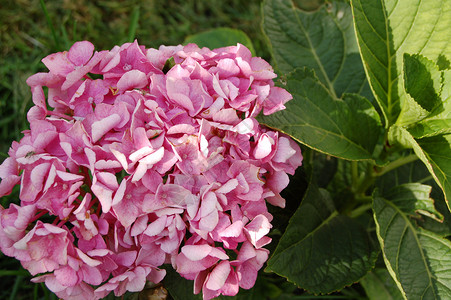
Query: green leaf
(434, 152)
(431, 127)
(178, 287)
(220, 37)
(415, 171)
(348, 128)
(386, 29)
(413, 199)
(418, 260)
(378, 285)
(321, 250)
(437, 150)
(323, 40)
(440, 123)
(422, 80)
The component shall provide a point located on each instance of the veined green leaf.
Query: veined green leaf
(413, 198)
(431, 127)
(220, 37)
(423, 83)
(348, 128)
(422, 80)
(415, 171)
(434, 152)
(418, 260)
(437, 149)
(321, 250)
(379, 285)
(418, 173)
(386, 29)
(323, 40)
(439, 123)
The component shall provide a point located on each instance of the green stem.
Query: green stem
(355, 172)
(366, 181)
(396, 164)
(360, 210)
(364, 198)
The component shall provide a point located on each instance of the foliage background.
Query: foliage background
(30, 30)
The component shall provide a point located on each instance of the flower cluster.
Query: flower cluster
(141, 157)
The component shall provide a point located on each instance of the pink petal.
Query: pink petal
(218, 253)
(7, 184)
(154, 157)
(119, 195)
(196, 252)
(178, 91)
(100, 128)
(262, 69)
(58, 63)
(208, 205)
(126, 258)
(108, 179)
(227, 68)
(226, 116)
(66, 276)
(80, 53)
(91, 275)
(181, 128)
(199, 281)
(264, 146)
(137, 284)
(218, 276)
(209, 222)
(284, 150)
(276, 100)
(257, 229)
(156, 227)
(276, 200)
(278, 181)
(175, 195)
(228, 186)
(248, 275)
(246, 126)
(233, 230)
(263, 242)
(140, 139)
(140, 153)
(131, 80)
(104, 195)
(87, 260)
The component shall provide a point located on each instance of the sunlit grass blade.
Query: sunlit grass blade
(50, 23)
(16, 285)
(133, 24)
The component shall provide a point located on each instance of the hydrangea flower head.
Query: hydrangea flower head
(129, 165)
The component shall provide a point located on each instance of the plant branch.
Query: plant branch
(396, 164)
(360, 210)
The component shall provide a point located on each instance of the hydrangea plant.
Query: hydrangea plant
(141, 157)
(156, 164)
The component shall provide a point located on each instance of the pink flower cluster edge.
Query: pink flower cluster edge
(141, 157)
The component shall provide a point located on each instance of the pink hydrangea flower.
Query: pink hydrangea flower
(127, 167)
